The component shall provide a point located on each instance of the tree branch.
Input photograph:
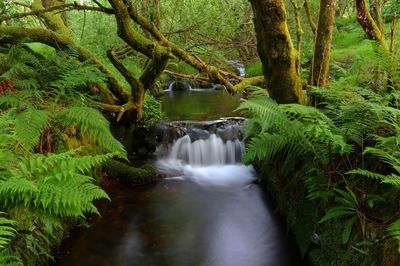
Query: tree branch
(129, 77)
(310, 18)
(247, 82)
(62, 8)
(213, 72)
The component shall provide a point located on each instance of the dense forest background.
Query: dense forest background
(322, 97)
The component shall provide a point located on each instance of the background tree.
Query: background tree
(319, 73)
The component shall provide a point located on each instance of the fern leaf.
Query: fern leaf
(93, 123)
(7, 230)
(29, 125)
(336, 212)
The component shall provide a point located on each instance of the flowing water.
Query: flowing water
(207, 211)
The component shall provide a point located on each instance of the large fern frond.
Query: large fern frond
(92, 123)
(29, 125)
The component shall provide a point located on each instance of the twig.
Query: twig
(393, 33)
(187, 76)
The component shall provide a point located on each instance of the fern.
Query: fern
(394, 230)
(57, 184)
(40, 191)
(294, 131)
(93, 123)
(29, 125)
(7, 230)
(6, 259)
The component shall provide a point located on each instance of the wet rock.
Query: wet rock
(197, 133)
(228, 128)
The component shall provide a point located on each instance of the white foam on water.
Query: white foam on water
(210, 162)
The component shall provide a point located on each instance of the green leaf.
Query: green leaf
(336, 212)
(347, 230)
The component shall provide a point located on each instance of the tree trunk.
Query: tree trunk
(369, 25)
(276, 51)
(376, 12)
(319, 74)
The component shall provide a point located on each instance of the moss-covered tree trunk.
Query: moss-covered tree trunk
(376, 12)
(369, 25)
(319, 74)
(276, 51)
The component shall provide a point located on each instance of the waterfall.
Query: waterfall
(205, 152)
(170, 86)
(239, 66)
(206, 158)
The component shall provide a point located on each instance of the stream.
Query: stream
(207, 212)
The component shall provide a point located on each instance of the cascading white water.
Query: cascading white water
(210, 161)
(240, 67)
(205, 152)
(170, 86)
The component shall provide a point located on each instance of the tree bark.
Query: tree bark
(319, 74)
(376, 12)
(366, 21)
(299, 32)
(276, 51)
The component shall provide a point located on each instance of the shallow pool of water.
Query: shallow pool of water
(199, 105)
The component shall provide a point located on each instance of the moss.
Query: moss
(254, 69)
(331, 251)
(277, 52)
(390, 253)
(130, 175)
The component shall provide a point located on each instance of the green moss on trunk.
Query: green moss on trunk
(276, 51)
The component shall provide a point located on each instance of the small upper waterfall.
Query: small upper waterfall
(239, 66)
(170, 86)
(207, 153)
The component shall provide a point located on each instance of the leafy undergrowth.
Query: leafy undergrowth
(334, 168)
(52, 145)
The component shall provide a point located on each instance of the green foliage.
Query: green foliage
(310, 150)
(394, 230)
(254, 69)
(151, 111)
(29, 125)
(60, 76)
(7, 230)
(347, 206)
(389, 9)
(91, 122)
(43, 179)
(296, 131)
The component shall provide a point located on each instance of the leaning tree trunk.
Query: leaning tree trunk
(276, 51)
(376, 12)
(319, 74)
(369, 25)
